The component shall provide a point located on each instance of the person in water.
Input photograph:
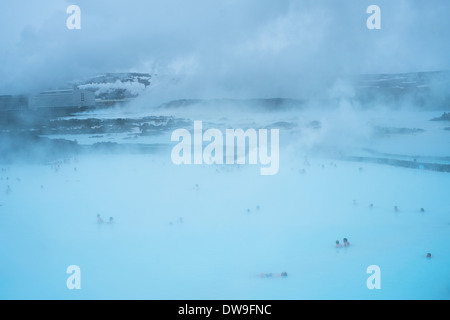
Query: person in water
(338, 245)
(273, 275)
(396, 209)
(99, 219)
(428, 255)
(346, 243)
(111, 221)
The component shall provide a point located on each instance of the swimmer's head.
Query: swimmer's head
(337, 241)
(345, 240)
(284, 274)
(428, 255)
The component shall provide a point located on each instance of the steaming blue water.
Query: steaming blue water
(224, 242)
(219, 249)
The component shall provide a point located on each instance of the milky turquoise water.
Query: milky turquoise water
(48, 222)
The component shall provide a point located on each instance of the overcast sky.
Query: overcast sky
(263, 47)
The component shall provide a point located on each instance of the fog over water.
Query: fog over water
(364, 140)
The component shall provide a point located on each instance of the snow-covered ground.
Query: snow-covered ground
(223, 242)
(345, 128)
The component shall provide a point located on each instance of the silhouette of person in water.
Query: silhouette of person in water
(99, 219)
(338, 245)
(346, 243)
(428, 255)
(111, 220)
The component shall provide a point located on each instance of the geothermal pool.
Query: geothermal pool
(235, 224)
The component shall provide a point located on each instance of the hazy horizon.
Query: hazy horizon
(228, 49)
